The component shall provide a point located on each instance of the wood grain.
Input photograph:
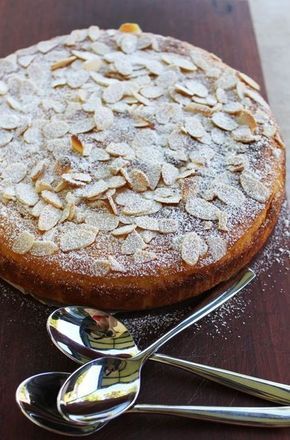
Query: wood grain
(253, 336)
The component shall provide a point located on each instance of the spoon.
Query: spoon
(36, 397)
(84, 334)
(105, 388)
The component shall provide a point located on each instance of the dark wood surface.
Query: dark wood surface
(250, 335)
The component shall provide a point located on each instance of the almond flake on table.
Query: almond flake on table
(132, 244)
(23, 243)
(254, 188)
(104, 221)
(123, 230)
(77, 237)
(41, 248)
(48, 218)
(52, 198)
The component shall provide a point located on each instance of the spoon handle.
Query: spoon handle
(264, 389)
(270, 417)
(211, 304)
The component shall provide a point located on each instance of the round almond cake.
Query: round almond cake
(136, 170)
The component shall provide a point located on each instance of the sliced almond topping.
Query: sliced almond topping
(63, 62)
(169, 173)
(227, 80)
(3, 88)
(71, 181)
(55, 129)
(245, 117)
(77, 237)
(94, 32)
(254, 188)
(83, 125)
(5, 138)
(77, 145)
(128, 43)
(130, 27)
(23, 243)
(197, 88)
(37, 209)
(26, 194)
(222, 221)
(279, 140)
(48, 218)
(9, 121)
(249, 81)
(116, 182)
(183, 90)
(46, 46)
(167, 225)
(132, 244)
(217, 247)
(123, 230)
(194, 127)
(138, 180)
(201, 209)
(43, 248)
(141, 257)
(179, 61)
(146, 222)
(152, 92)
(121, 149)
(114, 92)
(141, 207)
(148, 235)
(92, 65)
(52, 198)
(199, 108)
(224, 121)
(233, 108)
(41, 185)
(116, 266)
(38, 170)
(190, 248)
(95, 189)
(243, 134)
(229, 195)
(104, 221)
(102, 266)
(8, 194)
(167, 195)
(104, 118)
(15, 172)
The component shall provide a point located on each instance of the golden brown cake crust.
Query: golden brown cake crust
(226, 216)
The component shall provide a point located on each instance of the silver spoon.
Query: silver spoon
(36, 397)
(84, 334)
(105, 388)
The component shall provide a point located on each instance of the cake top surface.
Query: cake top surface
(123, 151)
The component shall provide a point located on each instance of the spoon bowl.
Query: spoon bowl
(36, 397)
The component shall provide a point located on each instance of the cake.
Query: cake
(136, 170)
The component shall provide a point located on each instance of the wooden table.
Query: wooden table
(250, 335)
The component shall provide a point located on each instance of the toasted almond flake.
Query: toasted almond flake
(227, 80)
(146, 222)
(254, 188)
(71, 181)
(243, 134)
(152, 92)
(141, 207)
(245, 117)
(221, 95)
(83, 126)
(196, 88)
(102, 80)
(255, 96)
(123, 230)
(190, 248)
(38, 170)
(167, 225)
(113, 93)
(169, 173)
(183, 90)
(8, 194)
(115, 265)
(124, 67)
(52, 198)
(46, 46)
(179, 61)
(48, 218)
(76, 78)
(128, 43)
(141, 257)
(9, 121)
(233, 108)
(94, 32)
(23, 243)
(102, 266)
(37, 209)
(116, 182)
(76, 145)
(41, 185)
(194, 127)
(95, 189)
(55, 129)
(148, 235)
(130, 27)
(229, 195)
(93, 65)
(141, 98)
(132, 244)
(104, 118)
(104, 221)
(120, 149)
(43, 248)
(26, 194)
(201, 209)
(279, 140)
(15, 172)
(222, 221)
(167, 196)
(138, 180)
(217, 247)
(187, 173)
(199, 108)
(77, 237)
(249, 81)
(63, 62)
(224, 121)
(269, 130)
